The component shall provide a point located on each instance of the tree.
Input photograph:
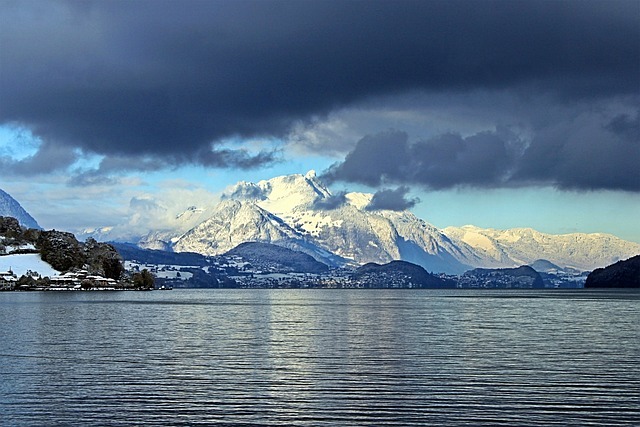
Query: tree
(61, 250)
(143, 280)
(26, 281)
(113, 268)
(10, 227)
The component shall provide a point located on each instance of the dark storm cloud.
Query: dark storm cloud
(332, 202)
(583, 154)
(626, 126)
(168, 78)
(375, 158)
(239, 159)
(394, 200)
(49, 158)
(112, 165)
(441, 162)
(578, 154)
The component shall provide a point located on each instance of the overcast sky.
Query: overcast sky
(494, 113)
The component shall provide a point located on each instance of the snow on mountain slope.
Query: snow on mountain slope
(282, 194)
(363, 236)
(425, 245)
(350, 232)
(520, 246)
(346, 229)
(299, 212)
(191, 217)
(279, 194)
(10, 207)
(478, 249)
(233, 222)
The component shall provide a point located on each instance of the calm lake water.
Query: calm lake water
(320, 358)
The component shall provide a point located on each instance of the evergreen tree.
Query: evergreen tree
(113, 268)
(143, 280)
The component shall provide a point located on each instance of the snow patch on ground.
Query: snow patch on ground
(20, 263)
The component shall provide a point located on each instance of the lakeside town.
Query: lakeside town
(70, 281)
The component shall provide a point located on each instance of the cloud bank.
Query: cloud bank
(171, 80)
(334, 201)
(392, 199)
(588, 151)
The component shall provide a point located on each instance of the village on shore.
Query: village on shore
(56, 260)
(80, 280)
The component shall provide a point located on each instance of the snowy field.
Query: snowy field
(20, 263)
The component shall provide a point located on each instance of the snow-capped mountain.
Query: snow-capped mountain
(520, 246)
(10, 207)
(300, 213)
(234, 222)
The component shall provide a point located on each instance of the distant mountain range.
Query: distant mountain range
(292, 232)
(264, 265)
(248, 265)
(300, 213)
(10, 207)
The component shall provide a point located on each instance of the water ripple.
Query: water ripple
(320, 358)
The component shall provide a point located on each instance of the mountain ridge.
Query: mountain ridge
(580, 251)
(300, 213)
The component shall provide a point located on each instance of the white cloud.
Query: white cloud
(158, 211)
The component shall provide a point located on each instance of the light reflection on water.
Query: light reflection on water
(320, 357)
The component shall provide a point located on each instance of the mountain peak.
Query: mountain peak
(285, 193)
(280, 194)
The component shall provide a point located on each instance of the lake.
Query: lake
(320, 358)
